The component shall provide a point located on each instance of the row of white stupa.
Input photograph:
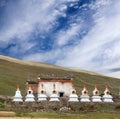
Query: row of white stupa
(72, 98)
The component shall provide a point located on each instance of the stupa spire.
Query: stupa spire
(42, 88)
(29, 87)
(106, 86)
(95, 87)
(84, 87)
(54, 86)
(96, 91)
(17, 87)
(42, 85)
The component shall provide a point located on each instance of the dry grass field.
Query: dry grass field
(20, 118)
(7, 114)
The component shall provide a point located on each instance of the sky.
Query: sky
(80, 34)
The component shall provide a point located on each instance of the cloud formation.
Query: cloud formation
(99, 50)
(27, 18)
(74, 35)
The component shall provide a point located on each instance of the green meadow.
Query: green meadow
(14, 72)
(54, 115)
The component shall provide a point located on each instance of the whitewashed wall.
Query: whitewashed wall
(65, 87)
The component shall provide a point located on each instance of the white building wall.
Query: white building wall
(65, 87)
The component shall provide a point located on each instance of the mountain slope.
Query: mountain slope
(13, 71)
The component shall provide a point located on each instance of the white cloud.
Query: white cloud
(50, 56)
(99, 49)
(24, 17)
(65, 36)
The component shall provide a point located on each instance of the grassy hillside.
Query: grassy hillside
(14, 72)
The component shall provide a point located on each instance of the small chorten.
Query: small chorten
(73, 97)
(30, 97)
(54, 96)
(107, 97)
(18, 96)
(84, 97)
(96, 97)
(38, 78)
(42, 96)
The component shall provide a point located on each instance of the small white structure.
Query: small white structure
(84, 97)
(54, 96)
(18, 96)
(107, 97)
(42, 96)
(30, 97)
(73, 97)
(96, 97)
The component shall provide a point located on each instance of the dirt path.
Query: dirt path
(20, 118)
(11, 115)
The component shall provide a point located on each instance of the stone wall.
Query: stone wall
(63, 106)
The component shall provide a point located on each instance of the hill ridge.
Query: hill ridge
(23, 62)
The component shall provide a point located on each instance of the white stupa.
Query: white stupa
(107, 97)
(84, 97)
(18, 96)
(42, 96)
(96, 97)
(54, 96)
(30, 97)
(73, 97)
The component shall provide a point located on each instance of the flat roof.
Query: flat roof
(56, 78)
(32, 82)
(51, 79)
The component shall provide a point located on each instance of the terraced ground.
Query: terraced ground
(13, 71)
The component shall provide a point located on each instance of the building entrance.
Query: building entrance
(61, 94)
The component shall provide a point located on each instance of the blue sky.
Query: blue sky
(82, 34)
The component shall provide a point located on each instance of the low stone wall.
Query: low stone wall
(62, 106)
(91, 107)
